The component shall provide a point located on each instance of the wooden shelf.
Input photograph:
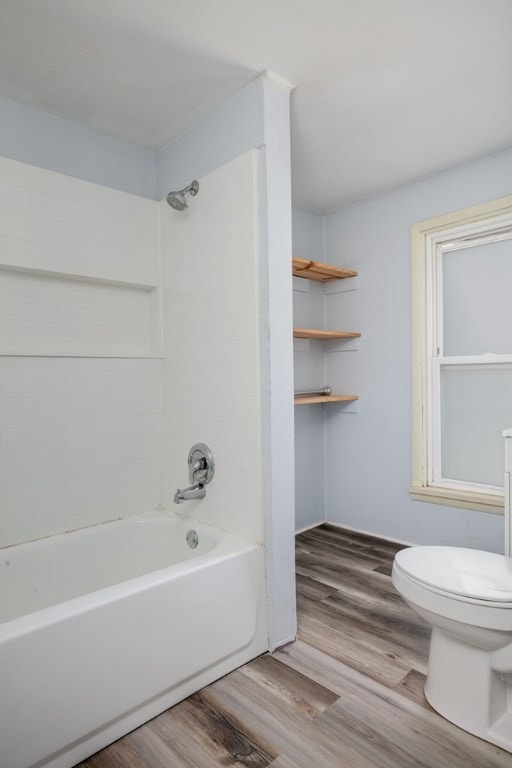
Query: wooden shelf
(314, 270)
(311, 400)
(310, 333)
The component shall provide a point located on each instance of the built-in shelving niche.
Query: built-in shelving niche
(54, 314)
(322, 273)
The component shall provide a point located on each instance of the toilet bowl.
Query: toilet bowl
(466, 596)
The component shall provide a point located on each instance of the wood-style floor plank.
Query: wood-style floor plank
(412, 687)
(308, 587)
(290, 686)
(119, 755)
(411, 638)
(351, 542)
(379, 656)
(347, 694)
(283, 761)
(222, 733)
(401, 735)
(294, 733)
(379, 714)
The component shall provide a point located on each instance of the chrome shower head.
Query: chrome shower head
(177, 199)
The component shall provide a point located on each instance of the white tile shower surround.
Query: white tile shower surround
(88, 439)
(80, 437)
(80, 442)
(49, 208)
(79, 266)
(64, 316)
(211, 378)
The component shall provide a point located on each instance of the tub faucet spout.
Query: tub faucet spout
(196, 491)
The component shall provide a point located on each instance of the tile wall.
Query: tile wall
(63, 225)
(80, 436)
(212, 387)
(80, 442)
(86, 434)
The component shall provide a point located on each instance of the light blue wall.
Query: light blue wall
(50, 142)
(368, 455)
(232, 129)
(308, 234)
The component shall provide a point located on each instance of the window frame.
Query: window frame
(470, 224)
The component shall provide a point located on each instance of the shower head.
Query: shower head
(177, 199)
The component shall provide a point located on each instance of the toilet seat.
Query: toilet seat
(480, 578)
(417, 585)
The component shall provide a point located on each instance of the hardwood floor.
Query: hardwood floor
(347, 694)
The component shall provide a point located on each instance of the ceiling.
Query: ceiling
(387, 91)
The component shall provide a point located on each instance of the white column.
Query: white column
(507, 434)
(276, 333)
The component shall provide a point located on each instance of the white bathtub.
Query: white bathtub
(104, 628)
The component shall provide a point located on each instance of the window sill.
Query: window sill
(482, 502)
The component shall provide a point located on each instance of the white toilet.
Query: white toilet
(466, 596)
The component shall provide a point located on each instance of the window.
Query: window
(462, 355)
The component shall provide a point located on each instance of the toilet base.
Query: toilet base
(464, 688)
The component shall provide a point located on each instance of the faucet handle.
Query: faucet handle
(201, 466)
(198, 471)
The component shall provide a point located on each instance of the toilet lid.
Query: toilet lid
(464, 572)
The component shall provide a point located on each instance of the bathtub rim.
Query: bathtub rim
(226, 546)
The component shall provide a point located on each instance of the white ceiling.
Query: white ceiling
(387, 91)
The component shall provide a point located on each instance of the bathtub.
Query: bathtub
(102, 629)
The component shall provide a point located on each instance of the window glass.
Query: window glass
(476, 406)
(477, 299)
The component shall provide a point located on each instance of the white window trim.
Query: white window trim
(423, 235)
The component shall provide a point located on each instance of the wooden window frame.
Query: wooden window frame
(425, 238)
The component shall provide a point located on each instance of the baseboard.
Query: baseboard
(309, 527)
(368, 533)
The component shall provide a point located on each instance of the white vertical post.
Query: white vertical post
(507, 434)
(276, 345)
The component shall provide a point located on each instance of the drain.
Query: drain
(192, 539)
